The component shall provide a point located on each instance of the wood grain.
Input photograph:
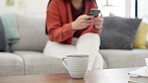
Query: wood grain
(100, 76)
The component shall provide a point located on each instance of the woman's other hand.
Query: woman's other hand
(82, 22)
(98, 22)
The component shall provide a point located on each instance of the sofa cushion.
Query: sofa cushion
(141, 36)
(118, 32)
(11, 64)
(116, 58)
(32, 32)
(37, 63)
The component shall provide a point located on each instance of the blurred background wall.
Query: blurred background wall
(123, 8)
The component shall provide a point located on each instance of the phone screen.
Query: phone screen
(94, 12)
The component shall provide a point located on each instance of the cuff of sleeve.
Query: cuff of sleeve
(70, 30)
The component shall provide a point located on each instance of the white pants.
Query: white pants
(86, 44)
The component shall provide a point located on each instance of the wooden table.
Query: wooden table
(101, 76)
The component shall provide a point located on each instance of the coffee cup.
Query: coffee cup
(76, 65)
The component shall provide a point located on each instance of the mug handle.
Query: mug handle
(63, 61)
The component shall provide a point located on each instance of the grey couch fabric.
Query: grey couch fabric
(11, 64)
(32, 32)
(117, 58)
(118, 32)
(37, 63)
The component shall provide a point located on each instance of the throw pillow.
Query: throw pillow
(3, 43)
(118, 33)
(141, 36)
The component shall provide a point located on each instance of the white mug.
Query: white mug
(76, 65)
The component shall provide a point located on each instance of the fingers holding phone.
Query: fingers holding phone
(94, 17)
(82, 22)
(98, 22)
(98, 18)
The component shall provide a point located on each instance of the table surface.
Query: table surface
(100, 76)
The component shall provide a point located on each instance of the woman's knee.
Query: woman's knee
(88, 40)
(90, 35)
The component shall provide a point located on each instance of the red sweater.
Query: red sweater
(59, 19)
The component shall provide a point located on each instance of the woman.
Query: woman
(67, 20)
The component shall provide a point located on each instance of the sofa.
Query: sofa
(27, 58)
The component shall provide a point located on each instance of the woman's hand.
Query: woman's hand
(98, 22)
(82, 22)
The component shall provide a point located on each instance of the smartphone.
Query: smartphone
(94, 12)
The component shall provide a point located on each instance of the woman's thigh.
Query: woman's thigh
(88, 41)
(58, 50)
